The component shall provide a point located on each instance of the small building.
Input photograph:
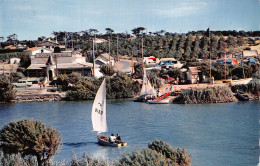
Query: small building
(14, 61)
(103, 59)
(48, 44)
(97, 41)
(11, 47)
(250, 53)
(150, 60)
(36, 50)
(51, 64)
(192, 74)
(20, 46)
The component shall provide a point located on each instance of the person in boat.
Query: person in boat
(118, 138)
(112, 138)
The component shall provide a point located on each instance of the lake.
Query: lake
(214, 134)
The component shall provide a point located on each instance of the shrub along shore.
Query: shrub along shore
(122, 86)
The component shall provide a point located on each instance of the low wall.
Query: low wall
(37, 97)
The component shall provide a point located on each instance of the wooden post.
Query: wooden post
(117, 47)
(93, 60)
(142, 57)
(243, 64)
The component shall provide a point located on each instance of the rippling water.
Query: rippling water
(214, 134)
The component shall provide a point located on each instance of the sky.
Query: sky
(30, 19)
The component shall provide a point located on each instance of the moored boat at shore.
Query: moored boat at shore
(160, 100)
(242, 96)
(147, 91)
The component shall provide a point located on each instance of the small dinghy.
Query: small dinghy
(242, 96)
(98, 117)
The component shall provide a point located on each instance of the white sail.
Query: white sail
(98, 115)
(147, 89)
(151, 90)
(144, 89)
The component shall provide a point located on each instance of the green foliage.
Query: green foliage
(16, 160)
(15, 76)
(6, 89)
(30, 138)
(178, 155)
(157, 153)
(119, 86)
(25, 61)
(7, 56)
(63, 80)
(84, 89)
(87, 160)
(73, 78)
(238, 71)
(214, 94)
(106, 70)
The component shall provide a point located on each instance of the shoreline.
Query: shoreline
(37, 94)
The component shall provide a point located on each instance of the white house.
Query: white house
(97, 41)
(36, 50)
(52, 64)
(103, 59)
(192, 74)
(250, 53)
(14, 61)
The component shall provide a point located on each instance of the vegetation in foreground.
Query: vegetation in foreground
(28, 139)
(30, 143)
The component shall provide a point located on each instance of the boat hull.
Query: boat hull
(102, 140)
(241, 96)
(158, 102)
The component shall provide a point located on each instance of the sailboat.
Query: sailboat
(147, 91)
(98, 117)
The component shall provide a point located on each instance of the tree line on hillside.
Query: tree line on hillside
(160, 44)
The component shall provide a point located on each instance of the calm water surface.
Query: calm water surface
(214, 134)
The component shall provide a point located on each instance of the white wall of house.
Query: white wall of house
(192, 77)
(38, 50)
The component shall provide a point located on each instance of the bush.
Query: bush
(30, 138)
(157, 153)
(208, 95)
(16, 160)
(106, 70)
(6, 89)
(16, 76)
(120, 86)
